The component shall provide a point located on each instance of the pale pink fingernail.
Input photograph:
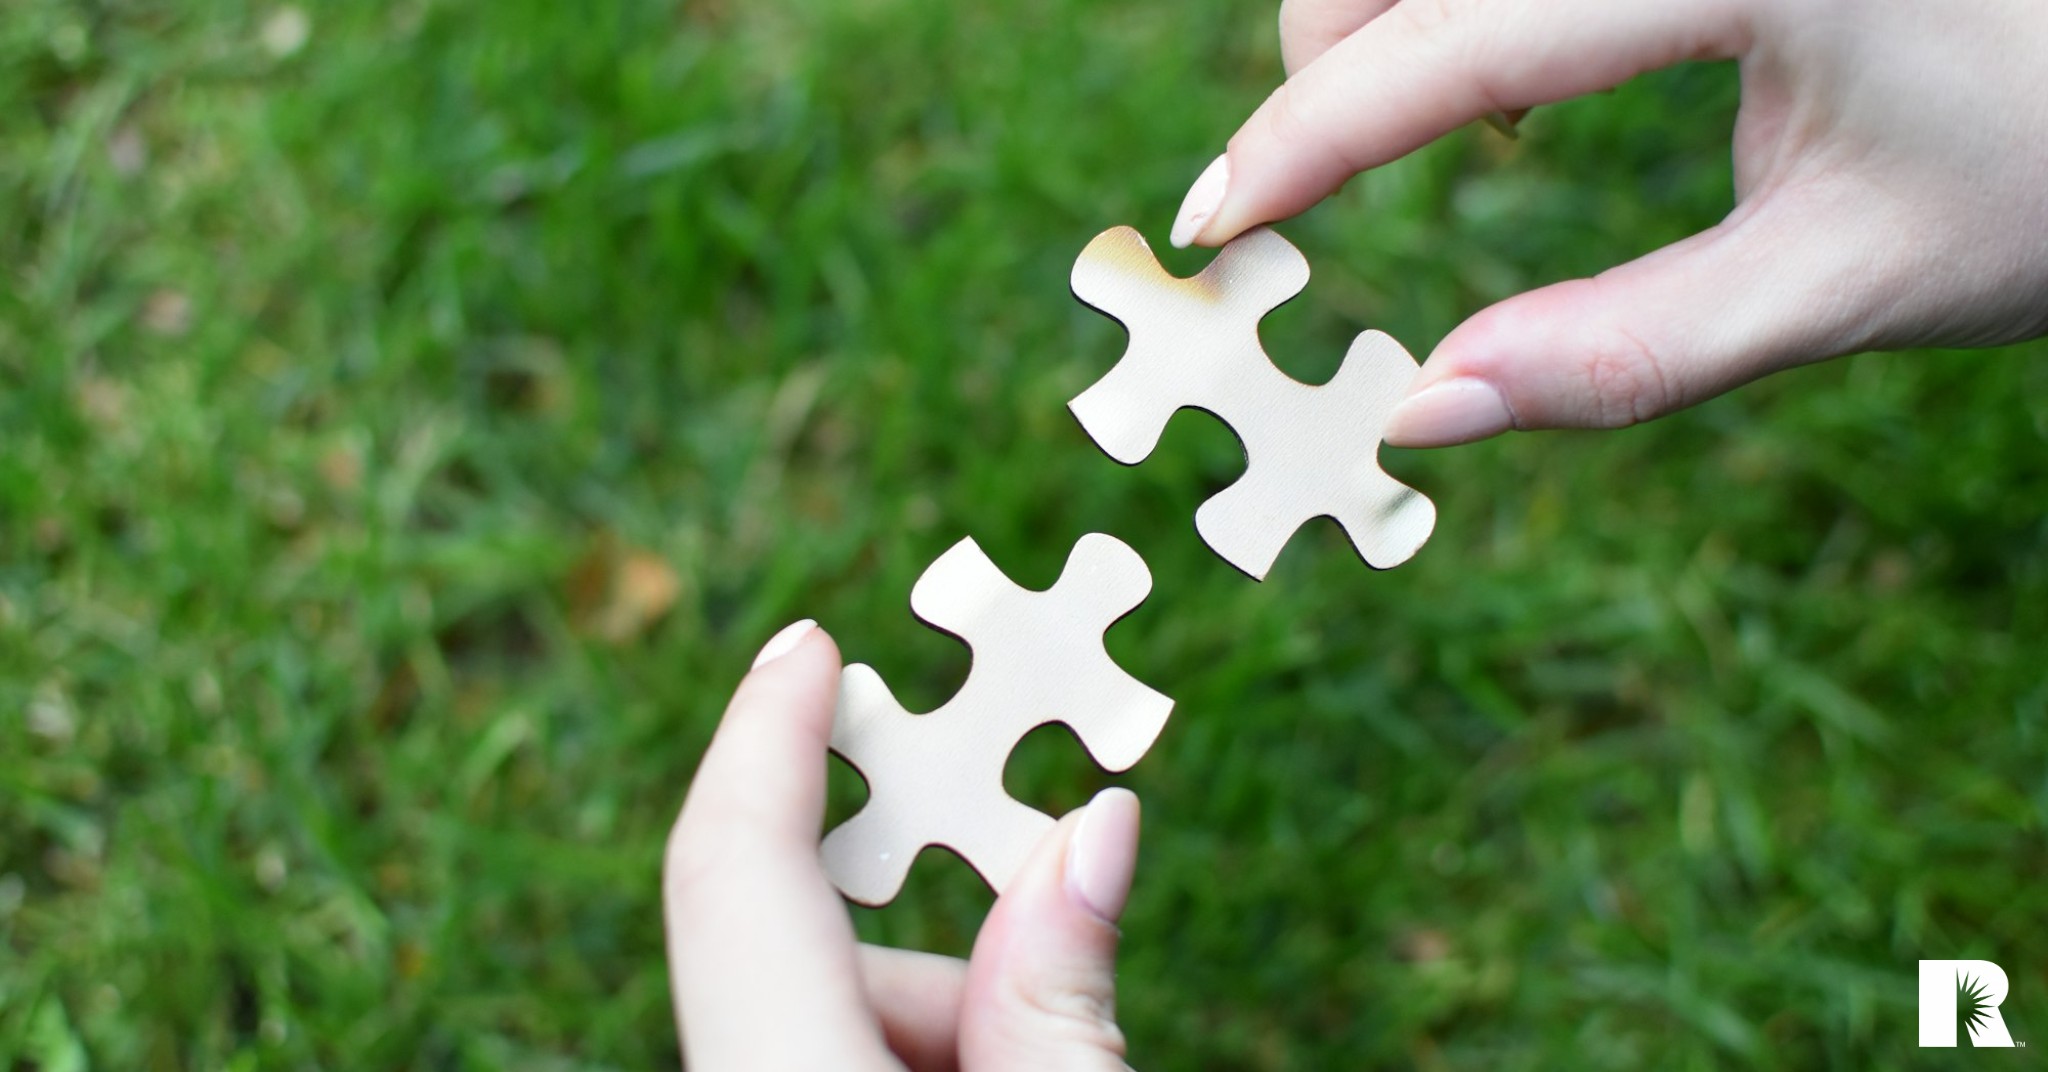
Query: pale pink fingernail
(1104, 853)
(784, 642)
(1458, 410)
(1201, 203)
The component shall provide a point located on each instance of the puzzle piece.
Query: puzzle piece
(1194, 343)
(937, 779)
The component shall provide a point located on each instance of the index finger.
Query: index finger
(1427, 67)
(758, 939)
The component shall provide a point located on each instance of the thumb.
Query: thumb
(1041, 985)
(1773, 286)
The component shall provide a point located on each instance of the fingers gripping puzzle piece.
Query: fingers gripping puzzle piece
(1194, 343)
(937, 779)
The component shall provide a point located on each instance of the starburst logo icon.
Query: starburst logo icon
(1974, 1006)
(1956, 995)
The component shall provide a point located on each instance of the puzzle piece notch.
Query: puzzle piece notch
(1308, 434)
(1194, 344)
(936, 779)
(1217, 310)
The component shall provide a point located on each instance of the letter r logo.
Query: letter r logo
(1958, 992)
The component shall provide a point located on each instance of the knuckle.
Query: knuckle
(1291, 125)
(691, 863)
(1438, 18)
(1071, 1013)
(1287, 119)
(1463, 36)
(1625, 381)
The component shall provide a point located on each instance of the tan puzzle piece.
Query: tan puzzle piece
(937, 779)
(1194, 343)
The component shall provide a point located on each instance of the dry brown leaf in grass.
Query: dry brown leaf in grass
(341, 469)
(127, 151)
(102, 402)
(52, 536)
(643, 589)
(617, 592)
(167, 312)
(1424, 945)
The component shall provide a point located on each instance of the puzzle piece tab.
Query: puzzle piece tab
(937, 779)
(1194, 343)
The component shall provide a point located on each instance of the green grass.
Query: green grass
(340, 384)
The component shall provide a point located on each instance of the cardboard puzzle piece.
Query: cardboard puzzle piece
(1194, 343)
(937, 779)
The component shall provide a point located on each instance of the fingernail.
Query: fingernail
(1104, 853)
(1204, 198)
(784, 642)
(1455, 411)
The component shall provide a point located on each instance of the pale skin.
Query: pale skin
(763, 963)
(1891, 187)
(1891, 172)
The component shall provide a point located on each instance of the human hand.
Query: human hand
(1891, 183)
(764, 967)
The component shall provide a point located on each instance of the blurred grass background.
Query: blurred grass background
(413, 416)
